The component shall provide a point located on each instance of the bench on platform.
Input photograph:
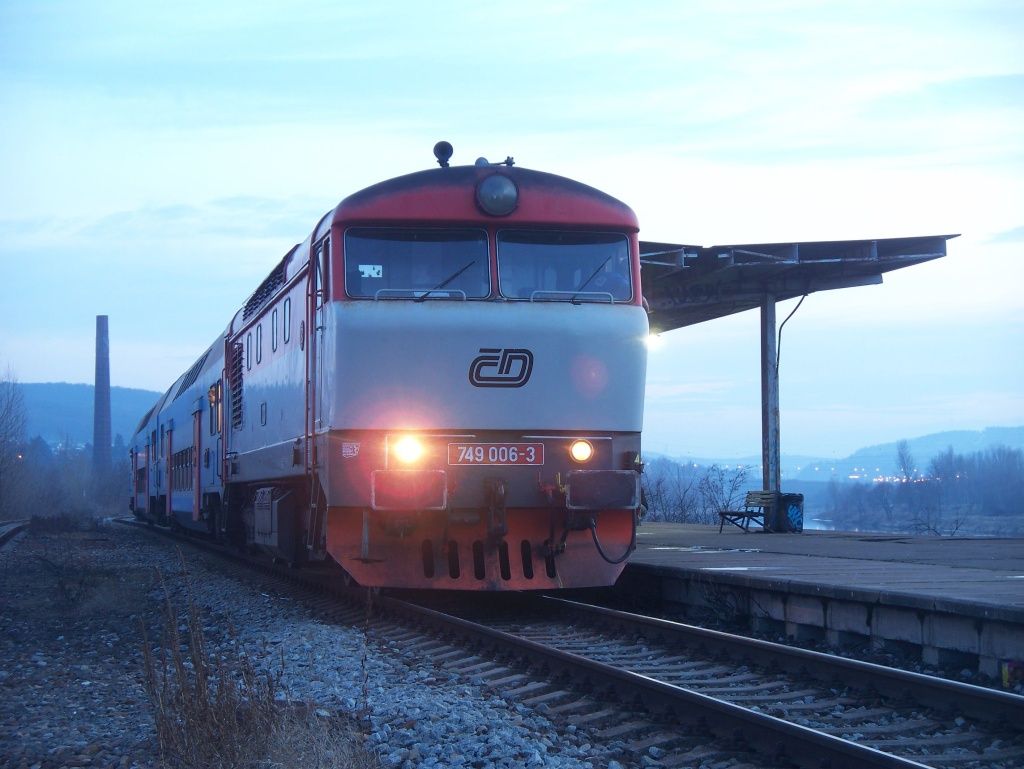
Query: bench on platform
(754, 507)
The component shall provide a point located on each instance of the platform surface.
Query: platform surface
(965, 575)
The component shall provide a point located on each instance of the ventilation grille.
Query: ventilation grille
(266, 290)
(235, 383)
(192, 375)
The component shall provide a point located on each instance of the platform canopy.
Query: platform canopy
(690, 284)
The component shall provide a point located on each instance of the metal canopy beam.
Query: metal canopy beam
(684, 285)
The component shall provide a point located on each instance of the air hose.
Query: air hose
(600, 550)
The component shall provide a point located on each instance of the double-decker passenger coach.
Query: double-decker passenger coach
(441, 387)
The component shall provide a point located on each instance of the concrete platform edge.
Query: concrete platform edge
(861, 595)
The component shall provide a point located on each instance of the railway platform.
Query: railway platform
(955, 601)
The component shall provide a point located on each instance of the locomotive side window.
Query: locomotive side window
(259, 343)
(273, 331)
(286, 325)
(416, 263)
(248, 351)
(564, 266)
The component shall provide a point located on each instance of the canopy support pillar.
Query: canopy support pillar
(770, 442)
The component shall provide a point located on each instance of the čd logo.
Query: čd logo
(498, 367)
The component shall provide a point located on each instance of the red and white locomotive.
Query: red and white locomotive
(441, 387)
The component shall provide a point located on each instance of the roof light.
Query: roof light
(497, 195)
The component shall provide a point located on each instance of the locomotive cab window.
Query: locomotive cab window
(416, 263)
(546, 265)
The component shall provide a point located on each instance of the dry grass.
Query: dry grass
(303, 740)
(222, 712)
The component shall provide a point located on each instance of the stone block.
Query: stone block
(894, 624)
(805, 610)
(1001, 640)
(848, 617)
(768, 605)
(947, 631)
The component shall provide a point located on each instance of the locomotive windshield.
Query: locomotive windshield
(416, 263)
(564, 266)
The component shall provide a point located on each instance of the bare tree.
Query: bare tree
(669, 488)
(719, 489)
(12, 437)
(688, 493)
(905, 461)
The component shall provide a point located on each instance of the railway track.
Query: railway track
(660, 693)
(810, 706)
(10, 529)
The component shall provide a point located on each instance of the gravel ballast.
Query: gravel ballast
(71, 667)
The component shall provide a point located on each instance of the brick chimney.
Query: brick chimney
(101, 406)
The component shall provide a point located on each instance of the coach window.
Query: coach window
(273, 331)
(546, 265)
(248, 351)
(259, 343)
(286, 326)
(416, 263)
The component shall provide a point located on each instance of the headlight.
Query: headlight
(407, 449)
(581, 451)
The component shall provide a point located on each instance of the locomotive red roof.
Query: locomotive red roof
(449, 194)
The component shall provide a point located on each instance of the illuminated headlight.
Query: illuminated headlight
(407, 449)
(497, 195)
(581, 451)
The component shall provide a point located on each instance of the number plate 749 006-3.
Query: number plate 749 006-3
(495, 453)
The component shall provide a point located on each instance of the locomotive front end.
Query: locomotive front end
(480, 382)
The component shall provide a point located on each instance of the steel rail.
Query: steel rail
(772, 737)
(10, 529)
(940, 693)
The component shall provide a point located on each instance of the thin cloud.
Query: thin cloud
(1016, 235)
(686, 391)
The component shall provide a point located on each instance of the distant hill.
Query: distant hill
(61, 412)
(870, 461)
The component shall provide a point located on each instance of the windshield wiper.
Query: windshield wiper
(593, 275)
(445, 282)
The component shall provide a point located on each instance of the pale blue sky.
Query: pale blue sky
(159, 161)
